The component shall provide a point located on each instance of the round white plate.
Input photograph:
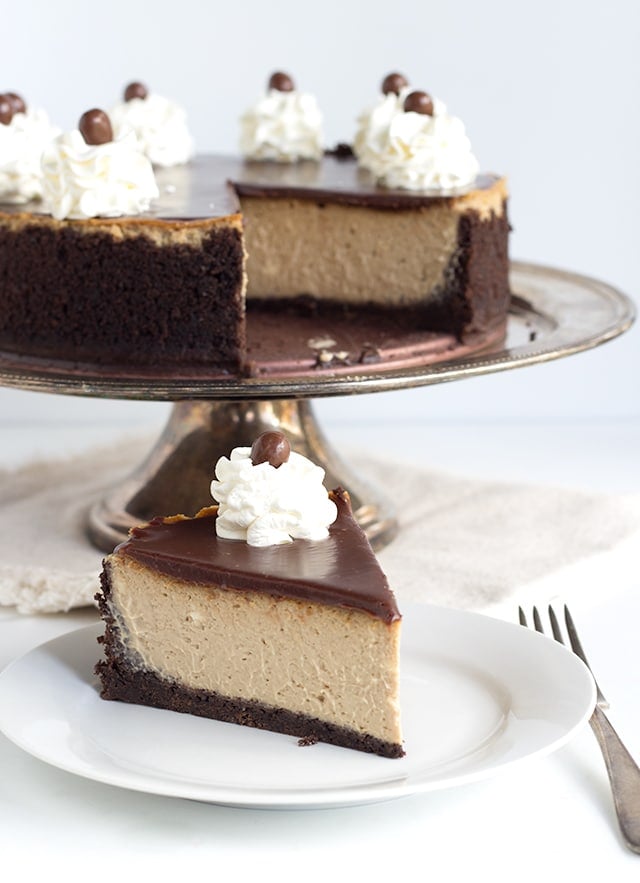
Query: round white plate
(477, 695)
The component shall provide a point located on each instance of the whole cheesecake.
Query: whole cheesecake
(229, 240)
(300, 638)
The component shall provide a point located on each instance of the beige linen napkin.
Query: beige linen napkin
(462, 542)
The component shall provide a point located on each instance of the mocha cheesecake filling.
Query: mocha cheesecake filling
(340, 254)
(336, 252)
(284, 653)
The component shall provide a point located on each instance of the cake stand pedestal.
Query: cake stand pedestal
(176, 475)
(552, 314)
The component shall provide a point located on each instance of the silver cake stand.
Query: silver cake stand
(553, 314)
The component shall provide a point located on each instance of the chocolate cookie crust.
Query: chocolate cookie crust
(93, 295)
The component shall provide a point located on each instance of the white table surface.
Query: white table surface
(549, 817)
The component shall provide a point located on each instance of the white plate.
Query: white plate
(477, 694)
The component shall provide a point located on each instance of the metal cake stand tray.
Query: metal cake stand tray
(553, 314)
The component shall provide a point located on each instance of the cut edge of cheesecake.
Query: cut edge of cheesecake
(442, 265)
(183, 274)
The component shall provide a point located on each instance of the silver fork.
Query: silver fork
(623, 771)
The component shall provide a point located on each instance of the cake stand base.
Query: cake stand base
(176, 474)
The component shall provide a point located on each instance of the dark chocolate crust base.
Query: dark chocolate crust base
(88, 296)
(475, 295)
(480, 276)
(121, 682)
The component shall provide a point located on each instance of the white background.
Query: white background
(548, 91)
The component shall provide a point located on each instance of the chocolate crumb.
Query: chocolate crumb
(6, 110)
(419, 102)
(305, 741)
(326, 358)
(369, 354)
(395, 83)
(342, 150)
(16, 101)
(250, 368)
(320, 343)
(271, 447)
(135, 90)
(95, 127)
(281, 82)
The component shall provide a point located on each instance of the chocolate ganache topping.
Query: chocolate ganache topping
(341, 570)
(211, 185)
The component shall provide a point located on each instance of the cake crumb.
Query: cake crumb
(305, 741)
(250, 368)
(321, 343)
(369, 354)
(325, 358)
(342, 150)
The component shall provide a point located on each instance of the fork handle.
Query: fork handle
(624, 776)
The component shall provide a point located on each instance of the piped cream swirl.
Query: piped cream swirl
(373, 124)
(415, 151)
(282, 126)
(22, 142)
(102, 180)
(267, 506)
(160, 125)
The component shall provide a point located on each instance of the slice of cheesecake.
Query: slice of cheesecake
(300, 638)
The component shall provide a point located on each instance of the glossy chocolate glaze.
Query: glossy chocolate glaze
(341, 570)
(212, 186)
(336, 179)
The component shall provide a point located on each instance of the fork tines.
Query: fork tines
(574, 640)
(623, 772)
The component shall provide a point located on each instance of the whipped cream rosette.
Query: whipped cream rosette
(409, 141)
(87, 173)
(266, 504)
(373, 123)
(285, 125)
(159, 124)
(24, 134)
